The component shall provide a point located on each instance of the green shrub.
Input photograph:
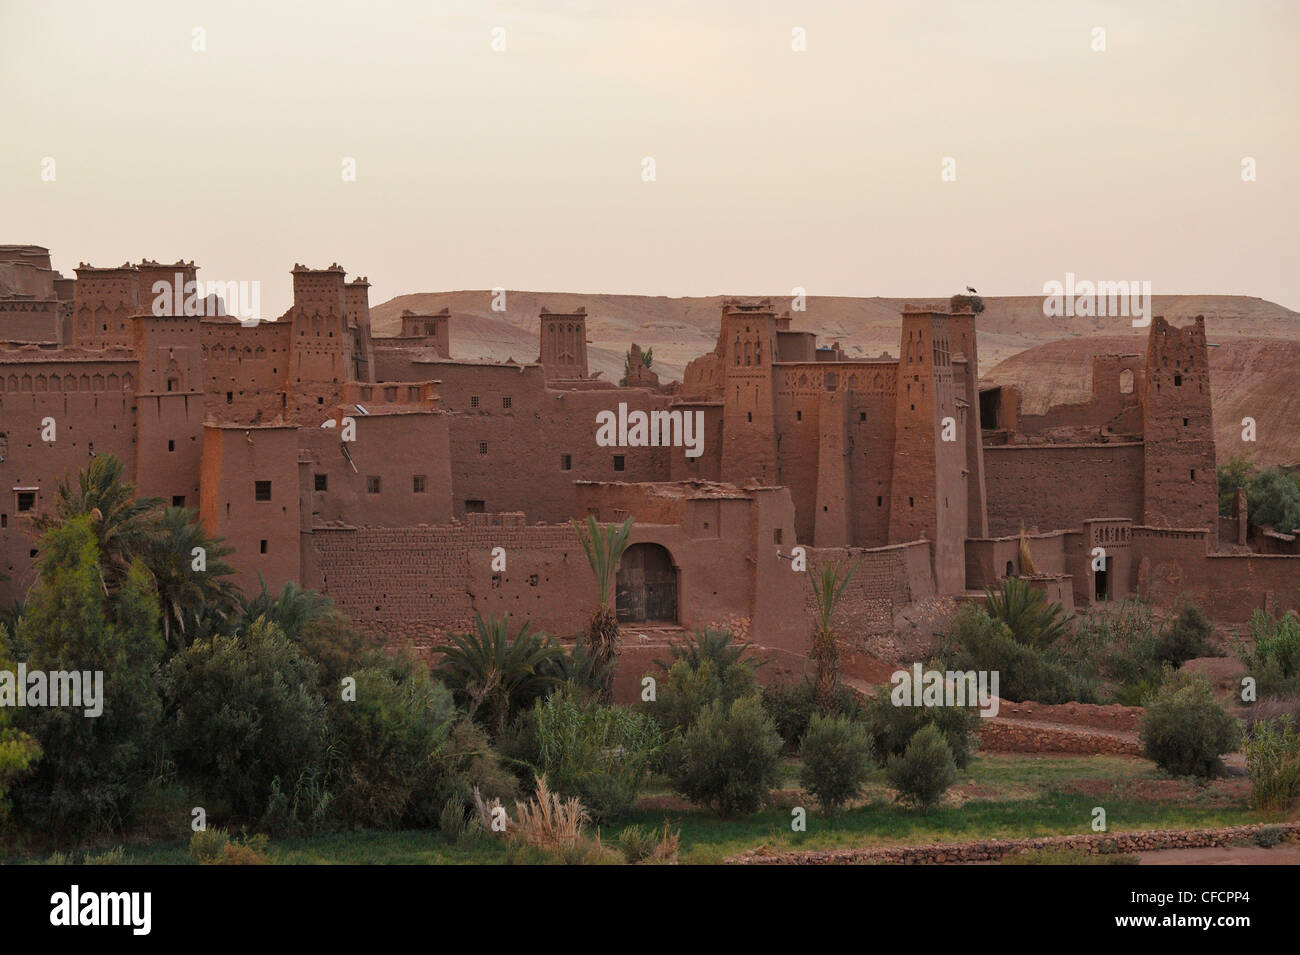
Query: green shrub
(384, 741)
(1266, 837)
(1118, 642)
(709, 667)
(1025, 671)
(792, 706)
(18, 751)
(1273, 763)
(1275, 660)
(1185, 729)
(925, 770)
(600, 754)
(456, 823)
(893, 727)
(463, 761)
(91, 771)
(1186, 638)
(729, 757)
(636, 844)
(836, 755)
(208, 846)
(300, 806)
(245, 714)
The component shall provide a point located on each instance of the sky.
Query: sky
(774, 168)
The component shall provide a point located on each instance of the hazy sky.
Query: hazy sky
(774, 168)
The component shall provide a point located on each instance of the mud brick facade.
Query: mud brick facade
(384, 473)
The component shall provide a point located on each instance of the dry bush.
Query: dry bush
(548, 823)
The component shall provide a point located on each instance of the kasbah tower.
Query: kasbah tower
(907, 466)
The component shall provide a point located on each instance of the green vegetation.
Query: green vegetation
(1272, 494)
(1026, 613)
(1184, 729)
(495, 676)
(604, 548)
(1273, 763)
(1274, 661)
(828, 590)
(729, 757)
(302, 745)
(925, 771)
(1029, 669)
(836, 755)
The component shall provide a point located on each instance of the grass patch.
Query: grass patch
(1015, 796)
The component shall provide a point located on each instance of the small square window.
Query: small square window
(262, 490)
(322, 482)
(372, 484)
(178, 500)
(418, 484)
(620, 462)
(475, 507)
(566, 462)
(482, 447)
(507, 401)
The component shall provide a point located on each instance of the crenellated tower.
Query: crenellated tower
(1180, 477)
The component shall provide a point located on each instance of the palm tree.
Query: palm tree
(496, 676)
(123, 523)
(604, 547)
(828, 591)
(192, 601)
(1026, 612)
(293, 609)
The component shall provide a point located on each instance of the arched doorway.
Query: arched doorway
(646, 588)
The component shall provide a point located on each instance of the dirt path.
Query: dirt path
(1284, 854)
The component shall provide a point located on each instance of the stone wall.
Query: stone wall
(993, 849)
(1058, 487)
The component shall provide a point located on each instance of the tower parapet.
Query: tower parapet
(563, 343)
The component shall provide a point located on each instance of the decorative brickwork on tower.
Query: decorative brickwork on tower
(1181, 479)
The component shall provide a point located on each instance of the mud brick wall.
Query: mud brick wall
(887, 579)
(399, 583)
(1172, 564)
(1057, 487)
(414, 583)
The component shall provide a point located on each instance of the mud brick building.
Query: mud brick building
(387, 473)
